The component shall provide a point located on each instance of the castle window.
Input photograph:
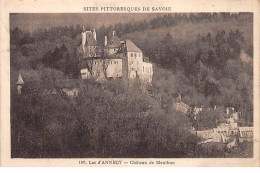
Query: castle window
(143, 68)
(115, 62)
(131, 54)
(135, 54)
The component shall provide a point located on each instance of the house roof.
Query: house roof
(114, 42)
(131, 47)
(90, 40)
(182, 107)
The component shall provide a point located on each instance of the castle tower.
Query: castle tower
(227, 111)
(94, 34)
(84, 38)
(105, 43)
(19, 83)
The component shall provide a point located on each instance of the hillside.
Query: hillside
(204, 60)
(188, 32)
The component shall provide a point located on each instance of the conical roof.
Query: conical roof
(20, 79)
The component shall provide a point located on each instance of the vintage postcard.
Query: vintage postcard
(129, 83)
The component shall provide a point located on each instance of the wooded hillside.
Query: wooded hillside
(206, 58)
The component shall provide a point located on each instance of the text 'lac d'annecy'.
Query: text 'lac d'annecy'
(132, 162)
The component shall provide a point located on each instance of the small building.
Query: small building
(181, 107)
(68, 87)
(246, 134)
(197, 110)
(231, 117)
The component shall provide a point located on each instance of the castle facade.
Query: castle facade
(115, 59)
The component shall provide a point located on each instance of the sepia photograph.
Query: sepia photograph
(131, 85)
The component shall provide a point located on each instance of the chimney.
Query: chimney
(94, 34)
(105, 43)
(114, 33)
(84, 38)
(227, 109)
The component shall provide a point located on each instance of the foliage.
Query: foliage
(116, 120)
(101, 122)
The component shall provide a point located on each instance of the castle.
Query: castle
(116, 59)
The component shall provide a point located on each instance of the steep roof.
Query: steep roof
(131, 47)
(90, 40)
(113, 42)
(20, 79)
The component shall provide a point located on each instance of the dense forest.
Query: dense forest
(211, 67)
